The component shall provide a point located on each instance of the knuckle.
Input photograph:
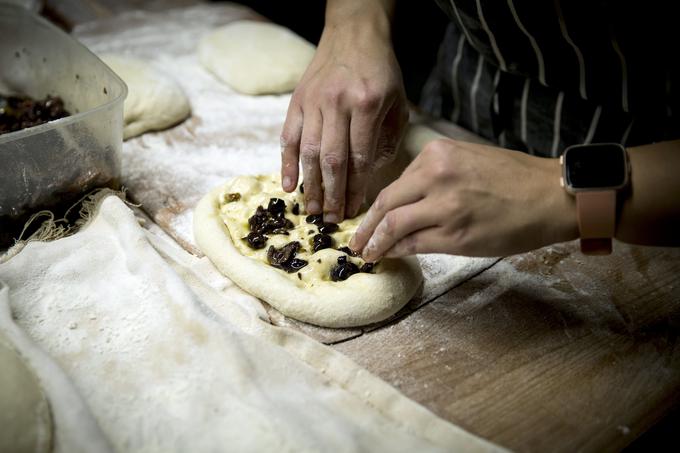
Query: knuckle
(287, 139)
(309, 152)
(332, 95)
(333, 162)
(381, 200)
(359, 164)
(390, 223)
(366, 99)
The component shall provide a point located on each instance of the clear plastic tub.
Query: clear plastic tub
(51, 165)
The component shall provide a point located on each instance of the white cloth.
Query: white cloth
(170, 356)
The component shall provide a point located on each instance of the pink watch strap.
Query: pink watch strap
(596, 211)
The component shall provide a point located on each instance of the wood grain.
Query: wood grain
(547, 351)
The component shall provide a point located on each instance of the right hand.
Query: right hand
(345, 119)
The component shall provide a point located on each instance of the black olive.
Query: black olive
(321, 241)
(256, 240)
(295, 265)
(296, 209)
(314, 219)
(366, 267)
(302, 187)
(343, 270)
(328, 228)
(276, 205)
(282, 256)
(348, 251)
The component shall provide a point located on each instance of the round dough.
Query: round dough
(25, 421)
(256, 57)
(362, 299)
(154, 101)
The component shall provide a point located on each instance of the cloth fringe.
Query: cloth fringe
(52, 229)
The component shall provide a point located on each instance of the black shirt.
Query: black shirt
(541, 75)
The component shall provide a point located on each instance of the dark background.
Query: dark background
(418, 28)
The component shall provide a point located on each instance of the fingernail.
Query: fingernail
(368, 251)
(331, 217)
(287, 182)
(313, 207)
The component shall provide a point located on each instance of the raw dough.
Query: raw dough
(256, 57)
(154, 102)
(361, 299)
(25, 422)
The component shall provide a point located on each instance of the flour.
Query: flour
(228, 134)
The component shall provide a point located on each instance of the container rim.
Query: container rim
(33, 130)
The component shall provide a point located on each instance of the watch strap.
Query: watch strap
(596, 211)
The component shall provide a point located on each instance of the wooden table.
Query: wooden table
(544, 351)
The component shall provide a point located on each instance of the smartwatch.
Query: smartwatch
(594, 174)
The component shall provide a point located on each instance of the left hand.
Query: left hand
(468, 199)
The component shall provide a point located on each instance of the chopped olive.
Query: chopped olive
(366, 267)
(321, 241)
(233, 197)
(296, 209)
(299, 276)
(296, 264)
(276, 205)
(264, 221)
(310, 231)
(348, 251)
(284, 257)
(328, 228)
(302, 187)
(256, 240)
(314, 219)
(343, 270)
(20, 112)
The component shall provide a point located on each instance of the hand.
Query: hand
(468, 199)
(345, 119)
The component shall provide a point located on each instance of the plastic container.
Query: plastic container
(51, 165)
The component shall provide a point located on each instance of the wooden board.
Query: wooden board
(546, 351)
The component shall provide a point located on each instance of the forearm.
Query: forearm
(357, 15)
(650, 212)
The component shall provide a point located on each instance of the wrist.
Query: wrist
(359, 17)
(562, 216)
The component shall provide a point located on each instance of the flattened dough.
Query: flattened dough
(312, 296)
(256, 57)
(25, 422)
(154, 102)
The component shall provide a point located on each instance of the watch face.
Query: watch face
(595, 166)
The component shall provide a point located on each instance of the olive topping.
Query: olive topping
(276, 205)
(314, 219)
(231, 197)
(328, 228)
(321, 241)
(302, 187)
(343, 270)
(284, 257)
(348, 251)
(296, 209)
(367, 268)
(265, 221)
(256, 240)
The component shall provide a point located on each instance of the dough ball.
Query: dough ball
(256, 57)
(154, 102)
(25, 422)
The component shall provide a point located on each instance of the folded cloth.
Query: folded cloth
(171, 356)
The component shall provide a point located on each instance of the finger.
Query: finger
(291, 135)
(397, 224)
(405, 190)
(334, 150)
(362, 140)
(421, 241)
(310, 147)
